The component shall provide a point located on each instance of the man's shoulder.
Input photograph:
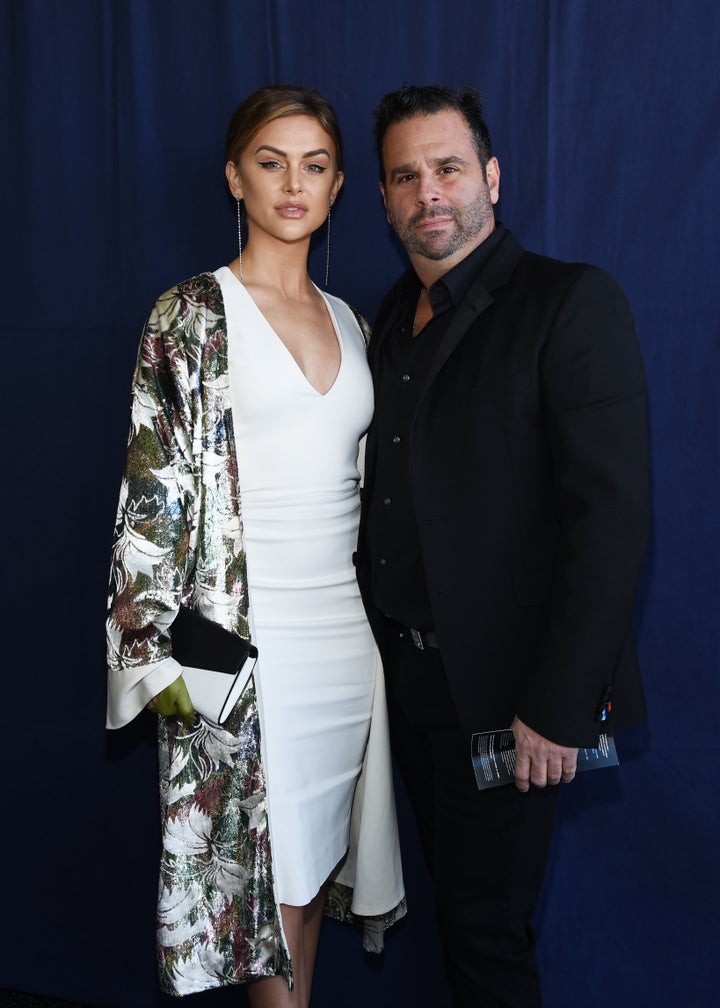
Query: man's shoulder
(546, 265)
(547, 288)
(543, 269)
(543, 286)
(572, 284)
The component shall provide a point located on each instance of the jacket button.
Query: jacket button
(396, 439)
(406, 377)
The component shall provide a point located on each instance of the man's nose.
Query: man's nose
(427, 191)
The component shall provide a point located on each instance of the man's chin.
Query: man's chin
(437, 251)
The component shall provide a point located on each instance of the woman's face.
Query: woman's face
(288, 177)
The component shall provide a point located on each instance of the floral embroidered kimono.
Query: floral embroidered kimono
(179, 539)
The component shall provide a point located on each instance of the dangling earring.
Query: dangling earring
(239, 220)
(327, 257)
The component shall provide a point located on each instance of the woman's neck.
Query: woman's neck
(279, 266)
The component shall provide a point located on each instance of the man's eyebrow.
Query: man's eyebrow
(409, 169)
(280, 153)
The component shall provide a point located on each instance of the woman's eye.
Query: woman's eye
(269, 164)
(316, 168)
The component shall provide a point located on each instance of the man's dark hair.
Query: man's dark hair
(411, 101)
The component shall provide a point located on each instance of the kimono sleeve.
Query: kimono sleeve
(152, 544)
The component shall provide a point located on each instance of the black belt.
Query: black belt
(420, 638)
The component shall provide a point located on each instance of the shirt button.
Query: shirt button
(382, 561)
(406, 377)
(387, 500)
(396, 439)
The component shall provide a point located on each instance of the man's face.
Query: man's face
(437, 196)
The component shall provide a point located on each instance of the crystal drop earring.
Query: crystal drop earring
(239, 223)
(327, 257)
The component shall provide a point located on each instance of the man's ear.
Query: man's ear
(382, 192)
(492, 173)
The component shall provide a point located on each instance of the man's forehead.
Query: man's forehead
(443, 127)
(434, 138)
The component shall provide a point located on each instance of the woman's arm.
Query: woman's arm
(152, 554)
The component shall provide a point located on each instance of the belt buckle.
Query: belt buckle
(417, 638)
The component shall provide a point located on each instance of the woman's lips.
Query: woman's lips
(292, 209)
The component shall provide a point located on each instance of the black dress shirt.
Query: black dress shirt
(398, 577)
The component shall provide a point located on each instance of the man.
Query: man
(504, 522)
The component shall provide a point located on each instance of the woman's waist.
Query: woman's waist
(298, 502)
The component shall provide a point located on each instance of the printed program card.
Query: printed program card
(493, 757)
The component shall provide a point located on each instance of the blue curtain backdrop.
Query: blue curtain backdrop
(605, 119)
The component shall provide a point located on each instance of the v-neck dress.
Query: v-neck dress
(298, 477)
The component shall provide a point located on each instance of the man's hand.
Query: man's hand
(539, 761)
(174, 700)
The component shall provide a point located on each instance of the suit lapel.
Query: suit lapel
(477, 300)
(495, 273)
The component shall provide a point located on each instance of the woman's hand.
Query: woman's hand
(175, 699)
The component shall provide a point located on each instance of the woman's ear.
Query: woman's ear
(340, 178)
(233, 179)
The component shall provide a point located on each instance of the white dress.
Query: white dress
(297, 468)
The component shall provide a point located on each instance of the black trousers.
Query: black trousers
(486, 850)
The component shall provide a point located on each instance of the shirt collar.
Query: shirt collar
(451, 288)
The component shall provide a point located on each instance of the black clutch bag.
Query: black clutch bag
(217, 664)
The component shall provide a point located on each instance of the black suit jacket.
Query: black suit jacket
(529, 480)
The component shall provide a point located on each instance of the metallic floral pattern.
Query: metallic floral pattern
(217, 918)
(178, 538)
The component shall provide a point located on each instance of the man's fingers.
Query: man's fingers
(555, 769)
(541, 773)
(540, 762)
(522, 772)
(569, 769)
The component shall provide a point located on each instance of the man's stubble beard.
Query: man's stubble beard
(469, 222)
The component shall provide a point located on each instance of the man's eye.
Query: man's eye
(448, 169)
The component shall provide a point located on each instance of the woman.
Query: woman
(240, 498)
